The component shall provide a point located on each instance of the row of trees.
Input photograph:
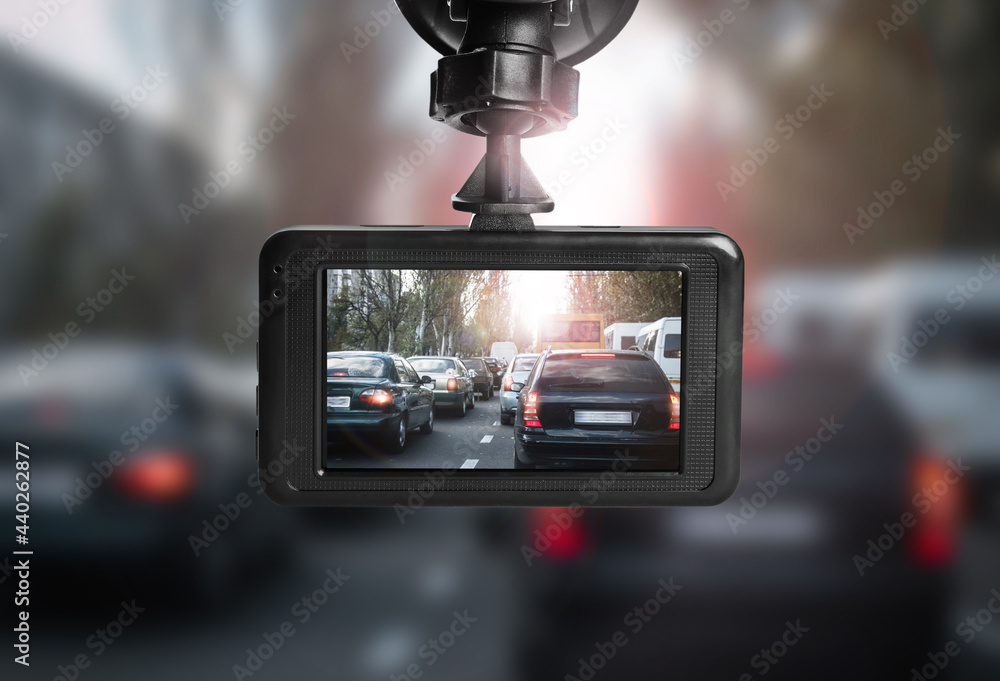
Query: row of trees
(462, 312)
(642, 296)
(426, 312)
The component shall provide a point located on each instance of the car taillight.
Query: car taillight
(598, 355)
(508, 382)
(452, 384)
(564, 531)
(531, 411)
(934, 539)
(375, 396)
(675, 412)
(159, 477)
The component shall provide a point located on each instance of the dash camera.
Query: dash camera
(437, 366)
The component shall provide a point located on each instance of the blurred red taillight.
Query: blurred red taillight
(598, 355)
(934, 539)
(675, 412)
(508, 382)
(559, 533)
(158, 477)
(375, 396)
(452, 384)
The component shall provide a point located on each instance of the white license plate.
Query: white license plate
(338, 402)
(603, 418)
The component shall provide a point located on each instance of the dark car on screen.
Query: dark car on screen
(581, 409)
(497, 368)
(482, 379)
(376, 393)
(452, 382)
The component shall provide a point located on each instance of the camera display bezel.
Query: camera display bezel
(292, 380)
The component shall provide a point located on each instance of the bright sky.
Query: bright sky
(534, 293)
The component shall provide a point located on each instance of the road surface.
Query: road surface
(475, 441)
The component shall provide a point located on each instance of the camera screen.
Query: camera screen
(502, 370)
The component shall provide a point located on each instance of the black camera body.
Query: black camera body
(619, 409)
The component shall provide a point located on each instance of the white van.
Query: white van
(621, 336)
(504, 350)
(661, 340)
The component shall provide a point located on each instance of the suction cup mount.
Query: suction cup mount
(507, 74)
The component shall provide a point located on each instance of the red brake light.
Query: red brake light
(531, 411)
(508, 382)
(339, 373)
(375, 396)
(934, 539)
(159, 477)
(566, 541)
(675, 412)
(452, 384)
(599, 355)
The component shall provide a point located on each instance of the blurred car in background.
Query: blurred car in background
(132, 452)
(453, 386)
(496, 367)
(482, 378)
(517, 372)
(588, 409)
(374, 392)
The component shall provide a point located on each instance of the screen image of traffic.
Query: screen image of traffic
(503, 370)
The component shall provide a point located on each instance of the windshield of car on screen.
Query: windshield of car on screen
(355, 367)
(524, 363)
(581, 373)
(433, 366)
